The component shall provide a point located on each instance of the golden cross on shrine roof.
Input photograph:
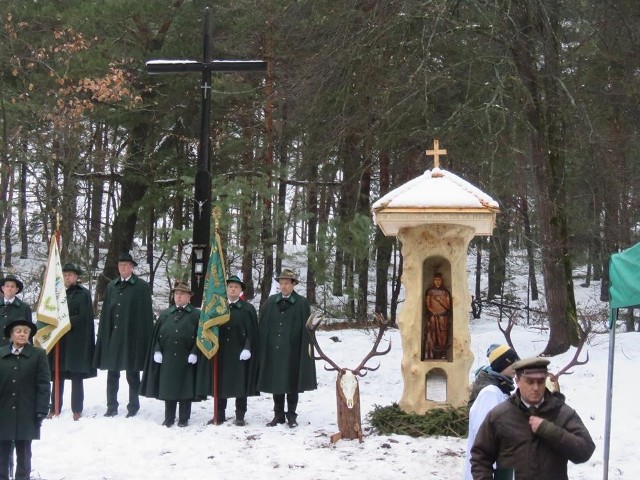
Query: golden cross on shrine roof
(436, 152)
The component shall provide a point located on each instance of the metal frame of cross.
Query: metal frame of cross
(201, 243)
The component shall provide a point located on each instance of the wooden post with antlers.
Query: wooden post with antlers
(347, 389)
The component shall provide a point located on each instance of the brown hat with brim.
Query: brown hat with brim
(181, 287)
(287, 273)
(535, 367)
(12, 278)
(15, 323)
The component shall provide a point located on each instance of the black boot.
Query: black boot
(278, 409)
(291, 419)
(239, 421)
(221, 417)
(278, 418)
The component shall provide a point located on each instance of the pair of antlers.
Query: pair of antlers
(361, 370)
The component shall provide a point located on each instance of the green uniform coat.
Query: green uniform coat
(24, 392)
(174, 335)
(284, 349)
(16, 310)
(78, 344)
(237, 378)
(126, 324)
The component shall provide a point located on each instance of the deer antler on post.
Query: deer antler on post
(347, 389)
(552, 383)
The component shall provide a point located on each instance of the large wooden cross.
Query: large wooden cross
(201, 244)
(436, 152)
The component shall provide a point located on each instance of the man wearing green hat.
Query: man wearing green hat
(126, 324)
(11, 307)
(76, 348)
(286, 366)
(237, 358)
(170, 372)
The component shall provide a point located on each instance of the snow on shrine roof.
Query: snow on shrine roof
(436, 189)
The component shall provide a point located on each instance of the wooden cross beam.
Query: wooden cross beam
(436, 152)
(201, 243)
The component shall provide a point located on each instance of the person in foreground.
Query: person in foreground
(492, 386)
(24, 396)
(286, 366)
(533, 434)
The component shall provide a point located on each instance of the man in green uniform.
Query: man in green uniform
(11, 307)
(286, 366)
(237, 359)
(126, 323)
(24, 396)
(170, 369)
(76, 347)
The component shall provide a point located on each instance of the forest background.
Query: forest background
(536, 101)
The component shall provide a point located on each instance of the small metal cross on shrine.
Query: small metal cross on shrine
(202, 195)
(436, 152)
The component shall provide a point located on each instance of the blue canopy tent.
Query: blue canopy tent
(624, 292)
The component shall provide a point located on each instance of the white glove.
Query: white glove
(245, 354)
(192, 359)
(157, 357)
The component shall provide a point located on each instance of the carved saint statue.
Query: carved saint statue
(437, 319)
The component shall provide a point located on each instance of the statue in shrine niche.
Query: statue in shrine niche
(437, 301)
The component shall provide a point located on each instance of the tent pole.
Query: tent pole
(609, 392)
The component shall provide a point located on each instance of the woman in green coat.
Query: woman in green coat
(170, 370)
(24, 395)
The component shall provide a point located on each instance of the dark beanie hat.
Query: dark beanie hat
(501, 357)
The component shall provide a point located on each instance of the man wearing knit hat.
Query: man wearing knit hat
(492, 386)
(533, 434)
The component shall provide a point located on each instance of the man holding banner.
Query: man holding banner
(76, 348)
(214, 312)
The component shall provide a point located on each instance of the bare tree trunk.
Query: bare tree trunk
(312, 210)
(8, 257)
(538, 30)
(383, 244)
(150, 243)
(135, 177)
(22, 212)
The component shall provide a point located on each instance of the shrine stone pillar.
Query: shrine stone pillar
(435, 216)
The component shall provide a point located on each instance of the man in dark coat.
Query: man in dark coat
(24, 396)
(126, 324)
(170, 369)
(533, 434)
(76, 347)
(237, 358)
(286, 366)
(11, 307)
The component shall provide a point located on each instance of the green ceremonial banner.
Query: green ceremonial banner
(215, 309)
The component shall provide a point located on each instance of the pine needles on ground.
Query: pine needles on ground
(449, 421)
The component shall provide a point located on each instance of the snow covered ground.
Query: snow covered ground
(139, 448)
